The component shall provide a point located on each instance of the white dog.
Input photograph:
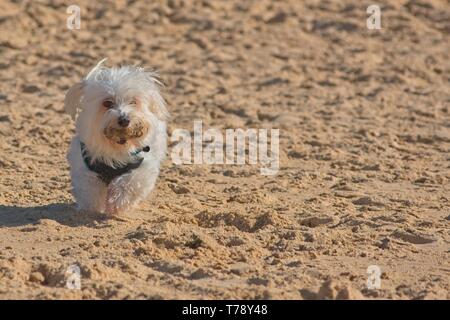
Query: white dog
(120, 137)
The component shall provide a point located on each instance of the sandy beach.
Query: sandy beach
(364, 151)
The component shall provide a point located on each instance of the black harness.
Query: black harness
(107, 173)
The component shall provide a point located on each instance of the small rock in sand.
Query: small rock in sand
(367, 201)
(316, 221)
(37, 277)
(30, 88)
(179, 189)
(278, 17)
(413, 237)
(259, 281)
(384, 243)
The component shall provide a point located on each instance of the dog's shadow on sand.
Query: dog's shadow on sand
(63, 213)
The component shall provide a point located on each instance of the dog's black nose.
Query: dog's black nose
(123, 121)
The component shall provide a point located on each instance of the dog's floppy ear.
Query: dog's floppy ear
(157, 104)
(72, 101)
(158, 107)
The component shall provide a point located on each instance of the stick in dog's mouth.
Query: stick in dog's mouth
(122, 135)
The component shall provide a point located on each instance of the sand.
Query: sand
(364, 178)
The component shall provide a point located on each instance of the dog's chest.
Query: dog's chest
(105, 172)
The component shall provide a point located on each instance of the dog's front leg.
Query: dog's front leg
(120, 194)
(126, 191)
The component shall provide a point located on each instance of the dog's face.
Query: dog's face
(119, 107)
(123, 121)
(120, 118)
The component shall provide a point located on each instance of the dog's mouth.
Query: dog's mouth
(122, 135)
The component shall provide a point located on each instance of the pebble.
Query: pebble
(313, 222)
(413, 237)
(37, 277)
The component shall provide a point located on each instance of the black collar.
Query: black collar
(107, 173)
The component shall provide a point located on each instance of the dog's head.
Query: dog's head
(116, 108)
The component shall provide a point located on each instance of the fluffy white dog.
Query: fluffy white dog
(120, 137)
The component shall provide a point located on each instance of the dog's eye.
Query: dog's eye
(108, 104)
(134, 102)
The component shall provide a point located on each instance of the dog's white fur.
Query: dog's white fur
(122, 85)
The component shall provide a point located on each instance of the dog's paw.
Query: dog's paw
(117, 201)
(112, 209)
